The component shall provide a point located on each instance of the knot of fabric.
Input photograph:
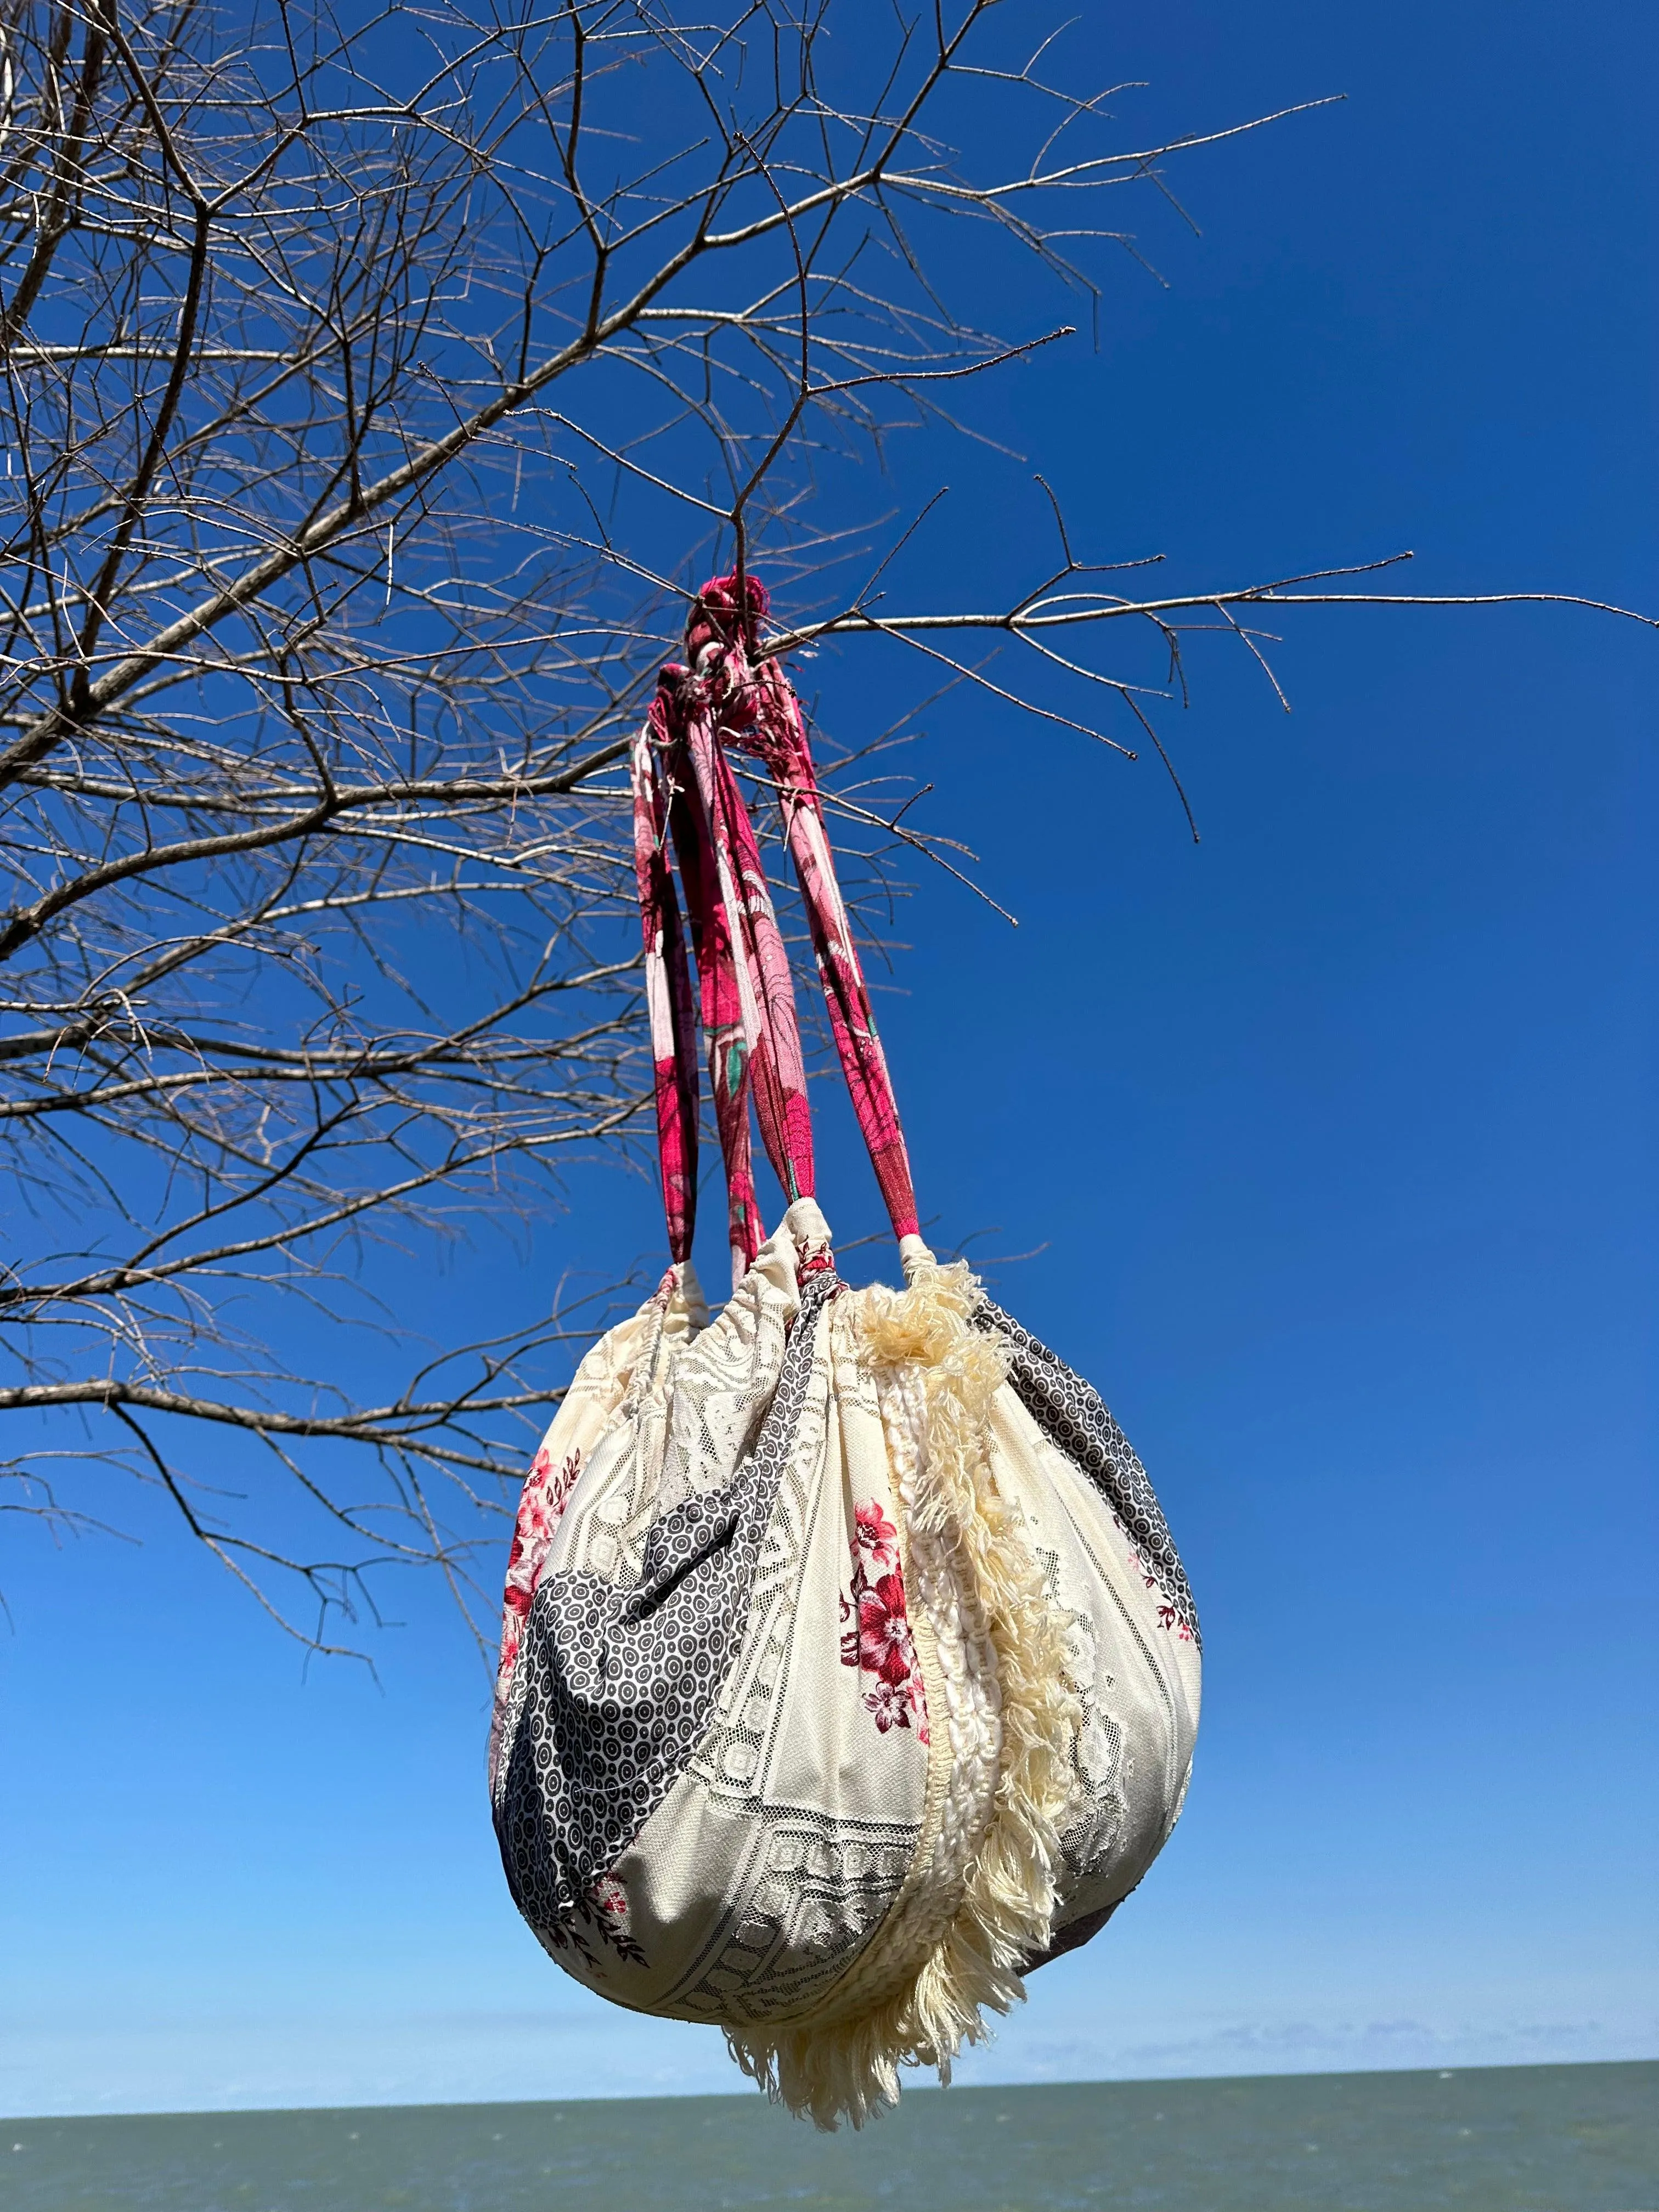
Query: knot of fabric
(730, 611)
(730, 696)
(721, 689)
(747, 698)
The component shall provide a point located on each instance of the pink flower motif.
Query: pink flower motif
(541, 1504)
(608, 1913)
(884, 1647)
(875, 1536)
(876, 1635)
(532, 1523)
(890, 1704)
(610, 1902)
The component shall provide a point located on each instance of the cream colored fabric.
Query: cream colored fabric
(851, 1871)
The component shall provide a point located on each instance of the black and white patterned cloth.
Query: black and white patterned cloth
(620, 1683)
(1073, 1416)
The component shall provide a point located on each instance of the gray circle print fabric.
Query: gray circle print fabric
(620, 1684)
(1072, 1414)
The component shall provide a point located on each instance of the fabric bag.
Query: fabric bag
(848, 1671)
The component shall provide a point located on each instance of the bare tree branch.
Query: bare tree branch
(378, 388)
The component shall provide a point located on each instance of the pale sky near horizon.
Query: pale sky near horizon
(1333, 1139)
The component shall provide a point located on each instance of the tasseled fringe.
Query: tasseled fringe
(848, 2068)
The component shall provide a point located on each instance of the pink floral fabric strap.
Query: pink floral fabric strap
(852, 1020)
(668, 998)
(777, 1068)
(731, 1019)
(769, 724)
(684, 788)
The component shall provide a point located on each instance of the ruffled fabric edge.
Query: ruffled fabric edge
(942, 1375)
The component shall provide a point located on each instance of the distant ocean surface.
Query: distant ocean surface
(1501, 2139)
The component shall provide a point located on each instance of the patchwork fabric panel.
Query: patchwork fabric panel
(617, 1686)
(847, 1662)
(1073, 1417)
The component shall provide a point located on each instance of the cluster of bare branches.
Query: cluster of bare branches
(377, 386)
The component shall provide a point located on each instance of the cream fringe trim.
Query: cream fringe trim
(834, 2067)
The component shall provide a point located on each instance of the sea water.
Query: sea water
(1510, 2139)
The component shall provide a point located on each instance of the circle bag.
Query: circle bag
(847, 1668)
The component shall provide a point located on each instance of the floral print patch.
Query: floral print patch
(603, 1912)
(876, 1635)
(541, 1503)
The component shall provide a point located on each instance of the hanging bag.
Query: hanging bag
(848, 1669)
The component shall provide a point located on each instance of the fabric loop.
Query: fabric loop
(668, 1000)
(732, 697)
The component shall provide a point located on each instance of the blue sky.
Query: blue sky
(1335, 1132)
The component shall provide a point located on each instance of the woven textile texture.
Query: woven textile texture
(848, 1668)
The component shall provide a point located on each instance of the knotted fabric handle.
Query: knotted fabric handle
(684, 790)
